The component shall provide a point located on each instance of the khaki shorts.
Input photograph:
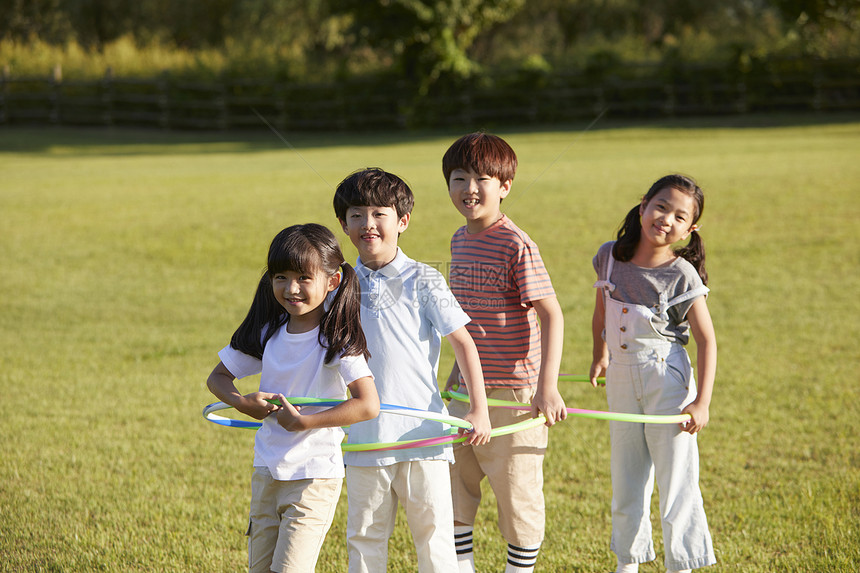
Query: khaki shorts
(513, 464)
(289, 522)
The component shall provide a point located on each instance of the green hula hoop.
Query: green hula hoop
(580, 413)
(427, 442)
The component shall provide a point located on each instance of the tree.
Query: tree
(428, 39)
(25, 19)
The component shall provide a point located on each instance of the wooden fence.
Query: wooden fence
(171, 103)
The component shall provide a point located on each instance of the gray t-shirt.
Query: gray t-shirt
(642, 286)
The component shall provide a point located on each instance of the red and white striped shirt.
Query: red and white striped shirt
(495, 275)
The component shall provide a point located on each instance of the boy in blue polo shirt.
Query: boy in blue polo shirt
(406, 310)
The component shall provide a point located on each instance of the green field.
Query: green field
(128, 258)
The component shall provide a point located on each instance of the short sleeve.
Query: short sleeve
(530, 274)
(600, 259)
(351, 368)
(690, 280)
(438, 302)
(238, 363)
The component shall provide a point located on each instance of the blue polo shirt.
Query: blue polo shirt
(406, 310)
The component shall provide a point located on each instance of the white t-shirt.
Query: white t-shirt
(406, 309)
(293, 365)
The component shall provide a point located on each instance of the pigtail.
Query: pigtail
(341, 325)
(694, 252)
(302, 248)
(628, 236)
(265, 316)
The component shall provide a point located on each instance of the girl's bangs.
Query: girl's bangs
(295, 254)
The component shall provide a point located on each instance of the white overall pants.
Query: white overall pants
(649, 374)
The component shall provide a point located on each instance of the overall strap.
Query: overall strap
(605, 283)
(664, 305)
(661, 308)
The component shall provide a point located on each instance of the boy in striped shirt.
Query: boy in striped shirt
(499, 279)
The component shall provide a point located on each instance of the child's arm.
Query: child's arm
(220, 383)
(706, 365)
(547, 399)
(600, 353)
(467, 355)
(362, 405)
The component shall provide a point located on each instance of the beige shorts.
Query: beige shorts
(289, 521)
(513, 464)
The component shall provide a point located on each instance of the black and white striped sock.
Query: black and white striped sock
(465, 548)
(522, 559)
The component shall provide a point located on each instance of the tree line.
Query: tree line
(428, 41)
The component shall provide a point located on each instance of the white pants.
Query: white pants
(424, 490)
(641, 451)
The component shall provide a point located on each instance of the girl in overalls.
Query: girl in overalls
(650, 297)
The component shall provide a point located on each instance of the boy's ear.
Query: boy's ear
(505, 188)
(403, 222)
(343, 225)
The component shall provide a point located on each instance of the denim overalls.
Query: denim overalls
(649, 374)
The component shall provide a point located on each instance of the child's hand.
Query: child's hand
(550, 404)
(256, 405)
(289, 416)
(598, 369)
(699, 418)
(480, 432)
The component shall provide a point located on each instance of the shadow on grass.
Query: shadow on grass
(67, 141)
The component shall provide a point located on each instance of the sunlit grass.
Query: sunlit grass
(129, 257)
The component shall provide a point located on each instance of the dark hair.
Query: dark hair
(482, 153)
(631, 228)
(305, 248)
(373, 187)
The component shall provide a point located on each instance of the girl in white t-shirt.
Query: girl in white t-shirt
(303, 335)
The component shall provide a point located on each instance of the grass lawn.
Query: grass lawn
(128, 258)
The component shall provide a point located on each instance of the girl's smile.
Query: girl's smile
(667, 218)
(302, 296)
